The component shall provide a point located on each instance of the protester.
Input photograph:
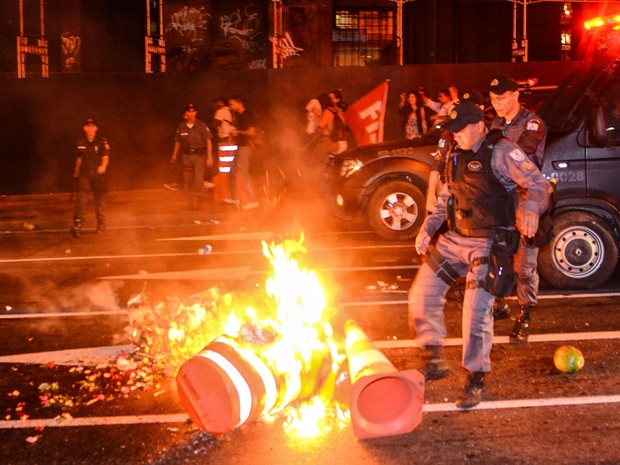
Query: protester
(415, 122)
(243, 131)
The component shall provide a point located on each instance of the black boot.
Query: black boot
(521, 331)
(472, 394)
(76, 230)
(436, 366)
(501, 309)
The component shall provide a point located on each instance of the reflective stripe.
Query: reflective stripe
(224, 169)
(227, 148)
(227, 159)
(241, 385)
(271, 389)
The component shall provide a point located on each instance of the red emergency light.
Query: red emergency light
(611, 22)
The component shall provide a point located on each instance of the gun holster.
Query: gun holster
(501, 277)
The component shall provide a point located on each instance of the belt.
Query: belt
(198, 150)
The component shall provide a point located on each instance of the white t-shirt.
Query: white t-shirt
(313, 108)
(224, 114)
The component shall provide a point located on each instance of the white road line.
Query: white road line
(551, 337)
(96, 421)
(546, 296)
(426, 408)
(87, 356)
(250, 236)
(95, 355)
(21, 316)
(526, 403)
(205, 274)
(182, 254)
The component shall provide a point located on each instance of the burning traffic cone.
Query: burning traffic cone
(225, 386)
(384, 401)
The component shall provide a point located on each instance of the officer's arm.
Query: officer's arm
(532, 136)
(433, 222)
(78, 165)
(175, 152)
(513, 168)
(104, 164)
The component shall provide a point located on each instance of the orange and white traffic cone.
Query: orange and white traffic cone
(384, 401)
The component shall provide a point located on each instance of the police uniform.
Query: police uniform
(528, 131)
(91, 154)
(193, 147)
(478, 200)
(446, 143)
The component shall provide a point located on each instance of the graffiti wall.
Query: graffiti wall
(210, 34)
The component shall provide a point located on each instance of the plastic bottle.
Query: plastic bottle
(205, 250)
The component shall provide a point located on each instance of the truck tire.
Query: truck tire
(582, 253)
(396, 210)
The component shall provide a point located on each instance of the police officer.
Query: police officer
(446, 141)
(91, 163)
(478, 203)
(528, 131)
(193, 140)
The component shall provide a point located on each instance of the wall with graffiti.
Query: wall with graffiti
(210, 34)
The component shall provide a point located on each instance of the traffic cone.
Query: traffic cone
(384, 401)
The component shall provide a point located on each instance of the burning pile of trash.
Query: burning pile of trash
(239, 357)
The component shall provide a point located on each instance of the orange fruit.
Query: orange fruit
(568, 359)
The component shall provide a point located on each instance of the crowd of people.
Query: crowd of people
(485, 197)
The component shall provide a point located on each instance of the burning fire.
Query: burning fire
(285, 332)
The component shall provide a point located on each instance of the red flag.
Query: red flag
(365, 116)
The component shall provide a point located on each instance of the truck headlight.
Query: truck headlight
(349, 166)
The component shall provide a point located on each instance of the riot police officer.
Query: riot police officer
(478, 203)
(529, 132)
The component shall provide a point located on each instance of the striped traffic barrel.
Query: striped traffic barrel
(225, 386)
(222, 388)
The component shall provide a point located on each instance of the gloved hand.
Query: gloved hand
(422, 241)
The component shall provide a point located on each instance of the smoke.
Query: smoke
(46, 296)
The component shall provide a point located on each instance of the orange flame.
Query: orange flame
(288, 328)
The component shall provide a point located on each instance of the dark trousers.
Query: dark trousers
(86, 185)
(194, 173)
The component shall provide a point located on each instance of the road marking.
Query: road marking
(551, 337)
(253, 236)
(95, 421)
(526, 403)
(545, 296)
(20, 316)
(206, 274)
(186, 254)
(103, 354)
(87, 356)
(426, 408)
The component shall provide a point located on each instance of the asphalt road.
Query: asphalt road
(63, 309)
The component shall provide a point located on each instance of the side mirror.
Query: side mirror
(596, 127)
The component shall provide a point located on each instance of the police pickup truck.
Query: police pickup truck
(386, 182)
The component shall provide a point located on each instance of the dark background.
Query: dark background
(447, 42)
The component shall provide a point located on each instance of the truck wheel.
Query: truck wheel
(581, 254)
(395, 210)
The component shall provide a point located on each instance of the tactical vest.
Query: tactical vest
(479, 203)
